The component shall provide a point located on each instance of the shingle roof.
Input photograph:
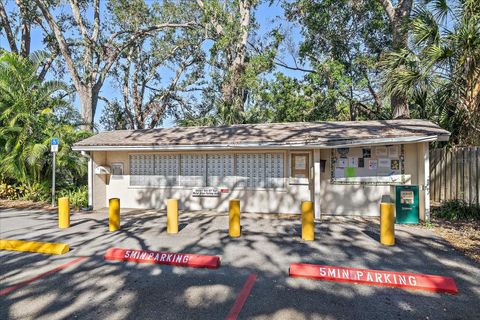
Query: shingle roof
(276, 134)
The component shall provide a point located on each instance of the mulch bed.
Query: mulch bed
(462, 235)
(23, 204)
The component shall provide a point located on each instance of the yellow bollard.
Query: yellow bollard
(114, 214)
(307, 221)
(234, 218)
(63, 213)
(387, 224)
(172, 216)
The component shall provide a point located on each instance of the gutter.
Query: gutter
(266, 145)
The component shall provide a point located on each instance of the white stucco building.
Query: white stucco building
(345, 168)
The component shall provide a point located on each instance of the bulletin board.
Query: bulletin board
(376, 165)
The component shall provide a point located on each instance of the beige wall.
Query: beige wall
(335, 199)
(356, 199)
(99, 181)
(286, 200)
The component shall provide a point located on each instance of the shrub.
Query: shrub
(77, 197)
(9, 192)
(35, 191)
(457, 210)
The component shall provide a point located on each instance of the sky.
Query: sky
(266, 16)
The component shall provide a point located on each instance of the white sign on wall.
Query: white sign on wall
(206, 192)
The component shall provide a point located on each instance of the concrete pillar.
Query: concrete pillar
(424, 180)
(90, 182)
(316, 183)
(99, 199)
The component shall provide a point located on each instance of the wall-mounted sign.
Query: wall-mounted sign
(364, 166)
(206, 192)
(300, 162)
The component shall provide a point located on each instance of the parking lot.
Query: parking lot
(253, 267)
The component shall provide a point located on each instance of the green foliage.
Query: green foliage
(31, 113)
(9, 192)
(37, 191)
(78, 197)
(440, 72)
(30, 191)
(457, 210)
(343, 40)
(288, 99)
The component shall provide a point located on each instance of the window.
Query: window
(300, 165)
(193, 170)
(248, 170)
(166, 170)
(153, 170)
(220, 170)
(260, 170)
(274, 170)
(141, 169)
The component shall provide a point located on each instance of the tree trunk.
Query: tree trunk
(232, 89)
(398, 16)
(88, 104)
(5, 23)
(25, 17)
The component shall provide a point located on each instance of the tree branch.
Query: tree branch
(8, 29)
(390, 11)
(374, 94)
(26, 22)
(79, 20)
(62, 43)
(96, 20)
(133, 37)
(46, 66)
(296, 68)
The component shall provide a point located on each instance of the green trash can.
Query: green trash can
(406, 202)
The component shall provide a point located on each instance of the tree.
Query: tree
(398, 17)
(156, 75)
(440, 74)
(286, 99)
(90, 51)
(342, 42)
(229, 25)
(30, 115)
(235, 60)
(26, 16)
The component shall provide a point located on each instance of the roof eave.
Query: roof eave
(266, 145)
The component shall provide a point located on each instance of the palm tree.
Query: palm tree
(440, 73)
(27, 121)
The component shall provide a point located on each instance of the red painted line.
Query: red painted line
(406, 280)
(168, 258)
(22, 284)
(242, 297)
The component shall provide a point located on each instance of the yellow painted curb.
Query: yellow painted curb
(34, 246)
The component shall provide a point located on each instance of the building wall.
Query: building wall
(356, 199)
(285, 200)
(335, 199)
(99, 198)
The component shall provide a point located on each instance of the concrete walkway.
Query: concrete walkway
(98, 289)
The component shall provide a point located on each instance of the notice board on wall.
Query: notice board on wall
(378, 165)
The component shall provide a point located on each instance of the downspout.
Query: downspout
(90, 178)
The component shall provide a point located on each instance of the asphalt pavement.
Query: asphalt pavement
(254, 266)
